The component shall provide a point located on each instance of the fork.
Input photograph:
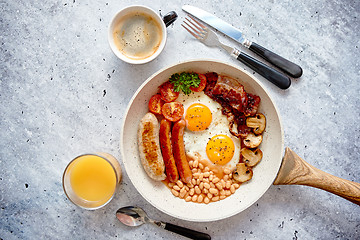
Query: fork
(209, 38)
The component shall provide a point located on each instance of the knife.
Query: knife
(210, 38)
(290, 68)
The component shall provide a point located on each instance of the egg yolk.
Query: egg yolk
(198, 117)
(220, 149)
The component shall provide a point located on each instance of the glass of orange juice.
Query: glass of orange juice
(90, 180)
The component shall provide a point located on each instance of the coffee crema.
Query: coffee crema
(137, 35)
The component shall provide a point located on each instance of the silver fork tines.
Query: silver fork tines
(198, 30)
(204, 34)
(209, 38)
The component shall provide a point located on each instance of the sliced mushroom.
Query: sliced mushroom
(252, 141)
(251, 158)
(258, 123)
(242, 173)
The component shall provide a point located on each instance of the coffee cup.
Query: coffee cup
(137, 34)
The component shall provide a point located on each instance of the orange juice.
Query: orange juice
(92, 178)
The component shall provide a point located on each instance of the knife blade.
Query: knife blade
(287, 66)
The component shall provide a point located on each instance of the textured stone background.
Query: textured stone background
(63, 93)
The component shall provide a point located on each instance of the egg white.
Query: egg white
(196, 141)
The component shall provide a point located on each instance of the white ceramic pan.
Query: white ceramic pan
(273, 169)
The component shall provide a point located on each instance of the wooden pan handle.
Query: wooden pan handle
(295, 171)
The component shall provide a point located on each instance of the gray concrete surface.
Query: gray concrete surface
(63, 93)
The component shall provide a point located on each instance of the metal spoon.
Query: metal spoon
(135, 216)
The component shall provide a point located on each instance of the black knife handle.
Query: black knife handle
(290, 68)
(192, 234)
(274, 76)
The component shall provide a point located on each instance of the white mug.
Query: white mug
(137, 34)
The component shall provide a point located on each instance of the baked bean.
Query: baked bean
(214, 199)
(191, 162)
(180, 183)
(223, 183)
(214, 191)
(182, 193)
(211, 177)
(216, 180)
(232, 189)
(206, 185)
(197, 190)
(219, 186)
(193, 181)
(201, 176)
(191, 191)
(201, 166)
(175, 193)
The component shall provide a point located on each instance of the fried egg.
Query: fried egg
(207, 131)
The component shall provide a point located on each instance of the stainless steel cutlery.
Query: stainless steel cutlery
(209, 38)
(287, 66)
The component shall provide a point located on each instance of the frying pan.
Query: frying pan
(273, 169)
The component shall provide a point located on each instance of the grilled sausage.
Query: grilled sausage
(166, 149)
(149, 149)
(179, 151)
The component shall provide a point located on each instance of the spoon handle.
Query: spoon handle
(192, 234)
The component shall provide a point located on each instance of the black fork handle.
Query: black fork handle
(290, 68)
(271, 74)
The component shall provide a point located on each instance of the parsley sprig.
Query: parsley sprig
(184, 81)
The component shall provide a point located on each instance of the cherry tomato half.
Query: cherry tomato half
(167, 92)
(173, 111)
(202, 84)
(155, 104)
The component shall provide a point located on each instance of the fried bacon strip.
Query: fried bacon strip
(211, 79)
(236, 103)
(232, 92)
(253, 102)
